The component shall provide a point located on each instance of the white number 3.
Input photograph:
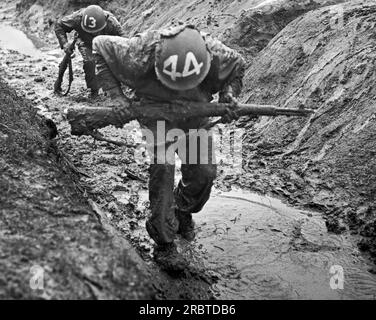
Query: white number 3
(190, 61)
(92, 22)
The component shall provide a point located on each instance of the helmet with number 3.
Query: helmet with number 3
(93, 19)
(182, 59)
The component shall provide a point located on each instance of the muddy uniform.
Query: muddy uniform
(85, 39)
(131, 61)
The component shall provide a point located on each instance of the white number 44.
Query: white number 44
(191, 66)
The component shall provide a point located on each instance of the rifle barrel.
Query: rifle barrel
(271, 110)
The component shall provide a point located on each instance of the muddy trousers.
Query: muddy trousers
(193, 190)
(88, 65)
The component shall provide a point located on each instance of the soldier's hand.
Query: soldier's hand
(231, 114)
(114, 93)
(121, 106)
(67, 49)
(119, 102)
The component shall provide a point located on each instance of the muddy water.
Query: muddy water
(256, 247)
(14, 39)
(260, 248)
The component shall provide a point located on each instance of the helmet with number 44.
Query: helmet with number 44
(93, 19)
(182, 59)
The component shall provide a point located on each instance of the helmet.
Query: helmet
(182, 59)
(93, 19)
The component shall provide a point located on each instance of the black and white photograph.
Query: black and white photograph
(187, 155)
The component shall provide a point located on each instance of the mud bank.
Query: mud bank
(246, 25)
(46, 222)
(327, 162)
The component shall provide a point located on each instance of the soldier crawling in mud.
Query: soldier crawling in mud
(179, 63)
(88, 23)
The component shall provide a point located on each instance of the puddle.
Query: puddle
(257, 247)
(14, 39)
(260, 248)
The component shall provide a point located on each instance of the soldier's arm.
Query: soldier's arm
(116, 28)
(123, 60)
(235, 80)
(66, 25)
(231, 66)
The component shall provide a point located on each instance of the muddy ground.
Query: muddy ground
(48, 215)
(325, 164)
(46, 222)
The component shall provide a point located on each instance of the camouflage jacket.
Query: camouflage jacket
(73, 22)
(131, 61)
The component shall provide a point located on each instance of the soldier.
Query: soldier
(88, 23)
(179, 63)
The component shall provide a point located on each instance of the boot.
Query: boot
(169, 259)
(186, 225)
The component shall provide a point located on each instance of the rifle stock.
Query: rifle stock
(85, 119)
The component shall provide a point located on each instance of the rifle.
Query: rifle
(84, 120)
(64, 64)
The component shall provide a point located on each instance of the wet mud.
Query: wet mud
(32, 77)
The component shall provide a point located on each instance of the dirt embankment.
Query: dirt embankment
(46, 222)
(329, 161)
(247, 25)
